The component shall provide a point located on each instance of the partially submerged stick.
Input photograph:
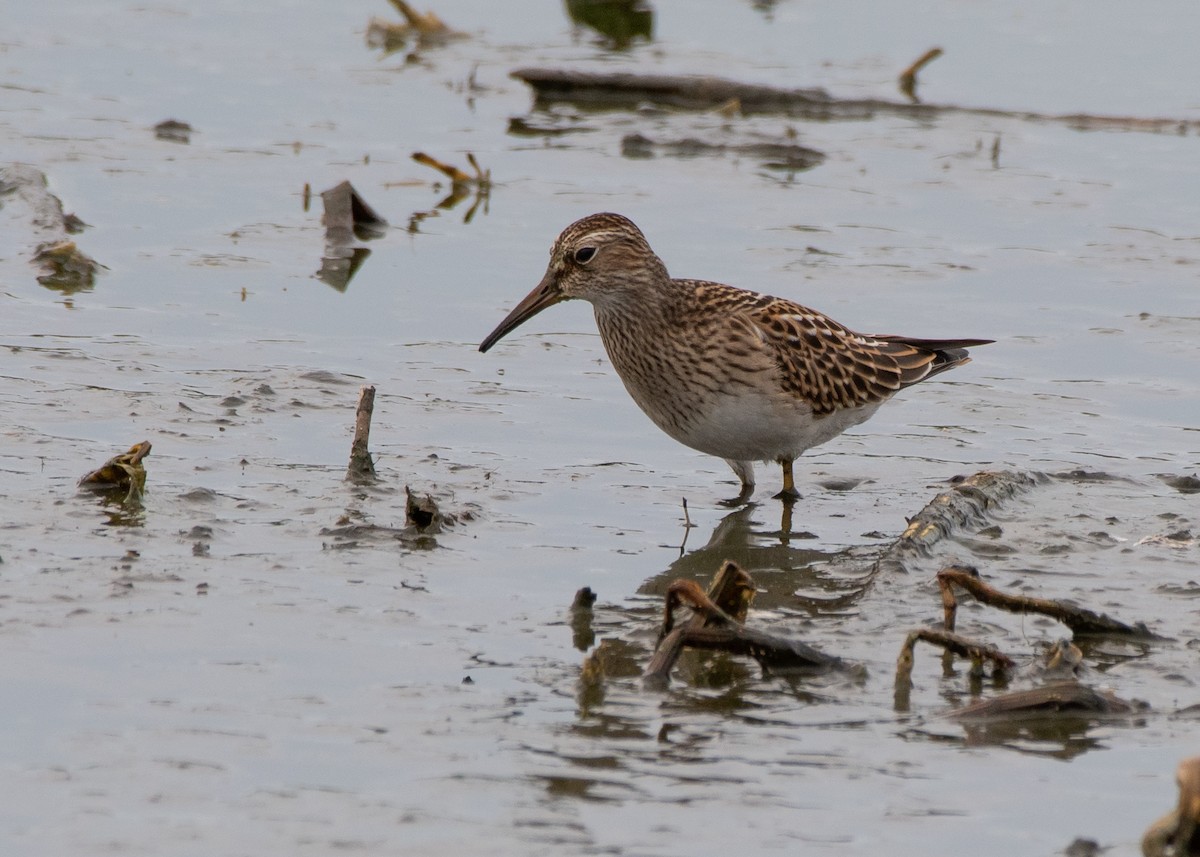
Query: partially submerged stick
(908, 77)
(362, 467)
(964, 647)
(626, 91)
(1078, 619)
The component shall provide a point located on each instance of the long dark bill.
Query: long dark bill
(545, 294)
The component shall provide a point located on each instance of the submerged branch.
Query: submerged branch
(626, 91)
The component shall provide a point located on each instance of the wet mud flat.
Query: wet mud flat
(260, 655)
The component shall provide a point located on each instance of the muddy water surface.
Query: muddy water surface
(254, 662)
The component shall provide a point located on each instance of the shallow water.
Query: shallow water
(231, 669)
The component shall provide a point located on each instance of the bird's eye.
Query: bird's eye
(584, 255)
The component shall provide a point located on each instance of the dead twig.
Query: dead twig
(908, 77)
(716, 623)
(964, 647)
(1078, 619)
(462, 185)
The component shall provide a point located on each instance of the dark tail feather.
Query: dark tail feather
(947, 353)
(936, 344)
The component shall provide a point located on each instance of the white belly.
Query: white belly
(751, 427)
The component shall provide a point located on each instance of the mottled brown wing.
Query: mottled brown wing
(833, 368)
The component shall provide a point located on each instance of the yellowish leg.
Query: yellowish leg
(789, 494)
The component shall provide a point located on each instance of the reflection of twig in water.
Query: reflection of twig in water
(687, 527)
(462, 185)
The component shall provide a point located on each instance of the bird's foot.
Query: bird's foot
(741, 499)
(788, 496)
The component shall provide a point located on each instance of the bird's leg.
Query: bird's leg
(789, 494)
(745, 474)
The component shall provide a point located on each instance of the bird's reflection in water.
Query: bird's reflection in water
(786, 566)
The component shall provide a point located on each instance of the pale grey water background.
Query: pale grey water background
(312, 701)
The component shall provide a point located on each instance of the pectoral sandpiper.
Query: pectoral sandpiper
(736, 374)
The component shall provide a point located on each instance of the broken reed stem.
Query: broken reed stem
(362, 468)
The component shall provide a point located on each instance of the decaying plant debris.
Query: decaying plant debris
(1064, 697)
(1069, 696)
(64, 267)
(717, 622)
(122, 477)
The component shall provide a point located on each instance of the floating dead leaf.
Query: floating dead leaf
(121, 474)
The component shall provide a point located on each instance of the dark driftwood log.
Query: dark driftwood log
(716, 624)
(362, 468)
(1064, 697)
(1177, 834)
(1078, 619)
(626, 91)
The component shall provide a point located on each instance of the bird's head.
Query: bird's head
(601, 259)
